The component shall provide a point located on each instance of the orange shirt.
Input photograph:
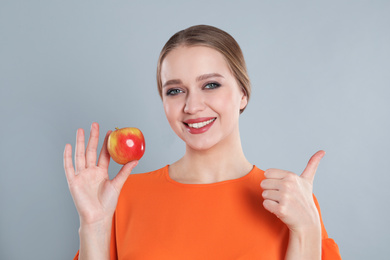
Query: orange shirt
(159, 218)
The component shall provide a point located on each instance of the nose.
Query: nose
(194, 103)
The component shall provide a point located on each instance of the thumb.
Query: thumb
(312, 166)
(122, 175)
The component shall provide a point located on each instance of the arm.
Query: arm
(305, 244)
(327, 247)
(290, 198)
(94, 194)
(95, 240)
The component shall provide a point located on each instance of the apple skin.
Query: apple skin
(126, 144)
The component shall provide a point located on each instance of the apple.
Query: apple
(126, 144)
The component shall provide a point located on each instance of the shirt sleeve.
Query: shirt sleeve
(330, 250)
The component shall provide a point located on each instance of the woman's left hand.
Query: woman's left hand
(290, 197)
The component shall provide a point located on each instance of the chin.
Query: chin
(200, 145)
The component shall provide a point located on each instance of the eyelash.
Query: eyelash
(176, 91)
(171, 91)
(216, 85)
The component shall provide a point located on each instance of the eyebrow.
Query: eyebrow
(210, 75)
(199, 78)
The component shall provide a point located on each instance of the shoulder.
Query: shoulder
(257, 170)
(258, 173)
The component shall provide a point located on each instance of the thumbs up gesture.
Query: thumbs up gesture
(290, 196)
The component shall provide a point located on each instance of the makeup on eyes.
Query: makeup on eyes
(214, 84)
(175, 91)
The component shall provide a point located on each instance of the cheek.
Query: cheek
(227, 101)
(171, 111)
(167, 109)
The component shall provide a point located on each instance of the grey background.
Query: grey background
(320, 75)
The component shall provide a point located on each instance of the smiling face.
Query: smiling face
(201, 97)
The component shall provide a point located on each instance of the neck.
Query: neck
(223, 161)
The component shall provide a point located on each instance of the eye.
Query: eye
(173, 91)
(212, 85)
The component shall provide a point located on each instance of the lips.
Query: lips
(199, 125)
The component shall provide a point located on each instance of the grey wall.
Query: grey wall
(320, 74)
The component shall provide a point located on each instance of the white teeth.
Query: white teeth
(201, 124)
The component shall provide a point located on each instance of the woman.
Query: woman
(212, 203)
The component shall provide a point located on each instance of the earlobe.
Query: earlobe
(244, 101)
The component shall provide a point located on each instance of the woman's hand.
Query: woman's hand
(290, 197)
(94, 194)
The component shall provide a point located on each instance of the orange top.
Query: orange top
(159, 218)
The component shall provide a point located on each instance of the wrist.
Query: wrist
(96, 229)
(96, 224)
(310, 222)
(305, 243)
(312, 233)
(95, 239)
(311, 228)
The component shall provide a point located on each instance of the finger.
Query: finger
(270, 184)
(275, 173)
(80, 151)
(271, 206)
(273, 195)
(90, 155)
(104, 157)
(122, 175)
(312, 166)
(68, 164)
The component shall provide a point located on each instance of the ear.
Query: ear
(244, 99)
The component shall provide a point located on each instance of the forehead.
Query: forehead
(192, 61)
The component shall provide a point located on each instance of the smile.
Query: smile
(201, 124)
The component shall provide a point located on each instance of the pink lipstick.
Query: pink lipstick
(199, 125)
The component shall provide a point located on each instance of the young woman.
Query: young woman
(212, 203)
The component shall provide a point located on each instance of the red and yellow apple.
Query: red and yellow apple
(126, 144)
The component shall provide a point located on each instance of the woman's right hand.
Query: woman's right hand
(94, 194)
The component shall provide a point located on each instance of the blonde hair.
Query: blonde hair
(209, 36)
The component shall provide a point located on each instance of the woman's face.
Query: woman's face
(201, 97)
